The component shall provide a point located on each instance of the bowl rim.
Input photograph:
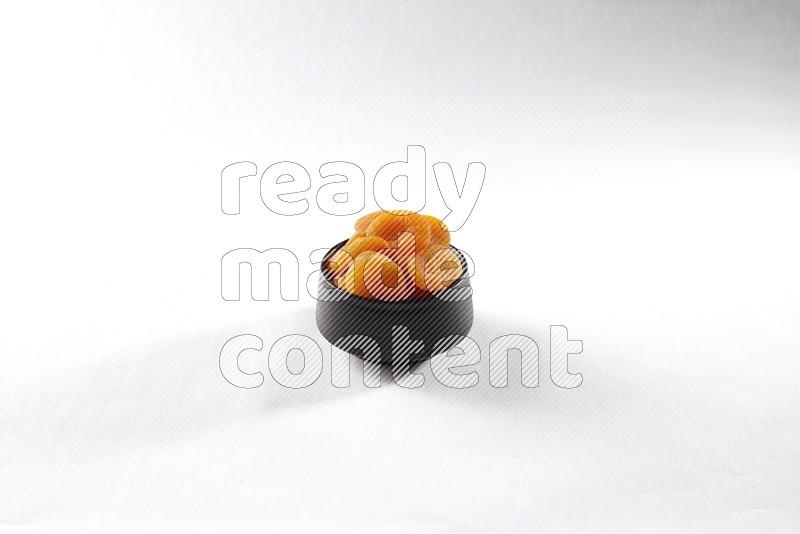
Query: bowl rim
(398, 304)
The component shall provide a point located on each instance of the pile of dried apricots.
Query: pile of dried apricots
(396, 255)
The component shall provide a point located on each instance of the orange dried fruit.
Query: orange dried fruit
(415, 268)
(363, 223)
(374, 275)
(390, 225)
(436, 268)
(440, 235)
(442, 267)
(361, 244)
(401, 249)
(396, 255)
(343, 258)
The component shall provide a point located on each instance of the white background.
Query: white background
(641, 189)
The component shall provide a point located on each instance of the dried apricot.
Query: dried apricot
(401, 249)
(440, 235)
(442, 267)
(343, 258)
(396, 255)
(374, 275)
(390, 225)
(363, 223)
